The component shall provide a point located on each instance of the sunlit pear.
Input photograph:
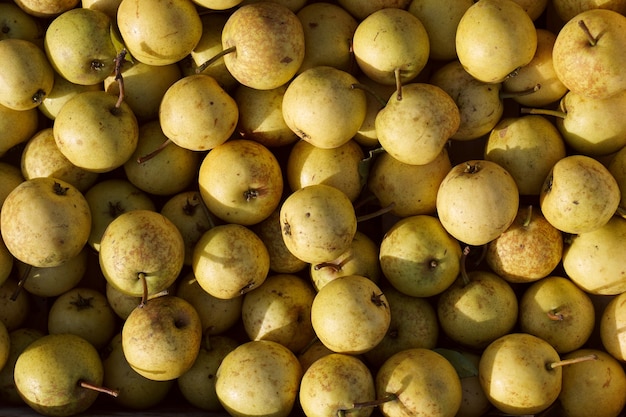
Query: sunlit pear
(440, 20)
(146, 27)
(567, 9)
(489, 46)
(579, 195)
(417, 122)
(61, 92)
(266, 41)
(377, 97)
(202, 127)
(612, 326)
(19, 340)
(617, 168)
(322, 107)
(46, 8)
(361, 9)
(391, 46)
(26, 74)
(109, 7)
(218, 4)
(17, 23)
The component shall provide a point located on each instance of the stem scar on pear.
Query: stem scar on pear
(378, 300)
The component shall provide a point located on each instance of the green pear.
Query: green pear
(477, 308)
(489, 45)
(314, 351)
(61, 92)
(10, 177)
(350, 314)
(567, 9)
(612, 326)
(15, 305)
(418, 257)
(391, 46)
(322, 106)
(361, 9)
(109, 7)
(440, 20)
(268, 43)
(335, 384)
(146, 27)
(339, 167)
(57, 373)
(328, 33)
(17, 23)
(516, 374)
(558, 311)
(46, 8)
(579, 195)
(480, 104)
(417, 122)
(19, 339)
(318, 223)
(41, 157)
(418, 381)
(161, 339)
(27, 76)
(96, 132)
(79, 46)
(527, 147)
(6, 262)
(136, 392)
(218, 4)
(587, 56)
(593, 259)
(377, 97)
(477, 201)
(5, 345)
(617, 168)
(259, 377)
(204, 126)
(592, 382)
(534, 8)
(474, 402)
(55, 227)
(230, 260)
(409, 190)
(241, 181)
(16, 127)
(280, 311)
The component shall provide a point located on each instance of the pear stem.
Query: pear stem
(371, 91)
(396, 73)
(464, 275)
(592, 40)
(513, 94)
(212, 60)
(335, 266)
(544, 112)
(21, 282)
(119, 61)
(154, 153)
(376, 213)
(104, 390)
(374, 403)
(571, 361)
(529, 216)
(555, 315)
(144, 282)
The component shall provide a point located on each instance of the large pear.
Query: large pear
(494, 38)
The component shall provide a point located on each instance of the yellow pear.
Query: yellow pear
(46, 8)
(16, 126)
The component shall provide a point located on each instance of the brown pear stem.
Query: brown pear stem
(592, 39)
(513, 94)
(144, 282)
(572, 361)
(119, 61)
(396, 73)
(464, 275)
(214, 59)
(529, 216)
(544, 112)
(554, 315)
(21, 282)
(371, 91)
(374, 403)
(154, 153)
(104, 390)
(376, 213)
(335, 266)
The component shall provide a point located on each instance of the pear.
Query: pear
(5, 345)
(409, 190)
(109, 7)
(579, 195)
(146, 28)
(230, 260)
(516, 374)
(46, 8)
(322, 107)
(61, 92)
(336, 384)
(534, 8)
(57, 373)
(617, 168)
(477, 201)
(593, 259)
(328, 33)
(480, 104)
(96, 132)
(17, 126)
(267, 44)
(418, 381)
(15, 305)
(136, 392)
(17, 23)
(558, 311)
(589, 383)
(567, 9)
(417, 122)
(530, 249)
(79, 46)
(377, 97)
(440, 20)
(19, 339)
(6, 262)
(27, 76)
(314, 351)
(339, 167)
(527, 147)
(612, 325)
(55, 227)
(259, 377)
(477, 308)
(489, 45)
(241, 181)
(474, 402)
(318, 223)
(218, 4)
(419, 257)
(350, 314)
(391, 46)
(161, 339)
(11, 177)
(587, 53)
(280, 310)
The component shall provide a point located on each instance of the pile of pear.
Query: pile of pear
(317, 208)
